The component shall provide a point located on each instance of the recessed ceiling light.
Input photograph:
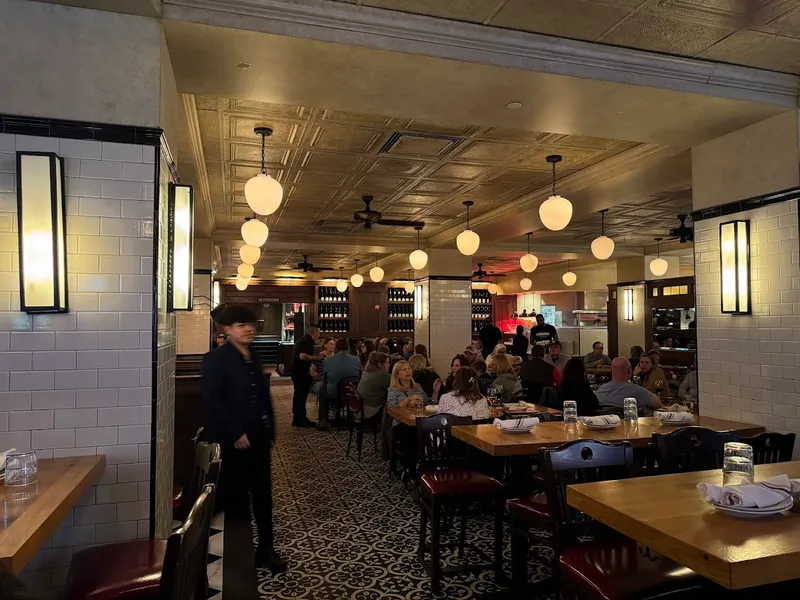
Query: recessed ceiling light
(243, 65)
(514, 105)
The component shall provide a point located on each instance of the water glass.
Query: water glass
(630, 410)
(21, 469)
(570, 413)
(737, 464)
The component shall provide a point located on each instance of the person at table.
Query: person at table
(408, 349)
(596, 358)
(220, 340)
(318, 366)
(367, 348)
(613, 393)
(538, 371)
(422, 373)
(459, 360)
(650, 376)
(240, 418)
(485, 379)
(574, 386)
(688, 387)
(403, 392)
(490, 335)
(635, 353)
(465, 399)
(374, 384)
(342, 365)
(506, 379)
(422, 350)
(301, 375)
(519, 344)
(555, 357)
(471, 354)
(543, 334)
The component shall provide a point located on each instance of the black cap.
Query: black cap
(235, 313)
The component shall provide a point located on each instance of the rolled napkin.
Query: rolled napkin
(528, 423)
(758, 495)
(676, 408)
(783, 483)
(669, 416)
(3, 456)
(601, 420)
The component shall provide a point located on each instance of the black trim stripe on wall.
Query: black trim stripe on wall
(80, 130)
(748, 204)
(154, 344)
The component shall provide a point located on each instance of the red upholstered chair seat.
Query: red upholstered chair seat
(125, 570)
(530, 508)
(177, 495)
(458, 481)
(616, 570)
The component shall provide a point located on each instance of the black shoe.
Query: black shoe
(304, 423)
(271, 560)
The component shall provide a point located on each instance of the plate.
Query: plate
(755, 513)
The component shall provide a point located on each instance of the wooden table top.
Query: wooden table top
(31, 514)
(667, 514)
(552, 433)
(408, 415)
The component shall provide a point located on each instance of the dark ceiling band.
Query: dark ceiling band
(748, 204)
(79, 130)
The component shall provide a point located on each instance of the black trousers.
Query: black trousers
(302, 387)
(250, 471)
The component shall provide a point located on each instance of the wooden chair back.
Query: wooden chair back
(771, 447)
(691, 449)
(207, 462)
(436, 447)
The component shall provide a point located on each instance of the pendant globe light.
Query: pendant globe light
(249, 254)
(262, 192)
(376, 273)
(569, 278)
(529, 261)
(341, 285)
(409, 285)
(357, 279)
(255, 232)
(658, 266)
(492, 288)
(245, 271)
(468, 241)
(555, 212)
(242, 283)
(418, 258)
(603, 246)
(525, 283)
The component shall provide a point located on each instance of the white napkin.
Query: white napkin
(3, 456)
(759, 495)
(673, 416)
(676, 408)
(601, 420)
(528, 423)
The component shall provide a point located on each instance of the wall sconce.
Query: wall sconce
(734, 253)
(181, 247)
(42, 233)
(627, 304)
(215, 295)
(418, 302)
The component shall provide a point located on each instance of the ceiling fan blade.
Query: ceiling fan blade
(400, 223)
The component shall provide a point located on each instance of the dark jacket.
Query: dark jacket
(537, 371)
(581, 392)
(490, 335)
(519, 346)
(236, 396)
(426, 378)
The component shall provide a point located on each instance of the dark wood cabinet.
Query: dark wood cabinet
(369, 309)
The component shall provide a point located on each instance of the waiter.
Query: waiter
(301, 375)
(240, 419)
(543, 334)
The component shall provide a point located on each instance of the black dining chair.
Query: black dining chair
(357, 421)
(691, 449)
(205, 470)
(771, 447)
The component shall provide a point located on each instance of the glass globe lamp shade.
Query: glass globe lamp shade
(492, 288)
(602, 247)
(341, 285)
(263, 194)
(245, 271)
(249, 254)
(529, 262)
(569, 278)
(409, 287)
(468, 242)
(525, 283)
(658, 266)
(255, 233)
(242, 283)
(555, 213)
(418, 259)
(357, 280)
(376, 274)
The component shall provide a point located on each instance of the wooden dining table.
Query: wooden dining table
(495, 442)
(408, 415)
(667, 514)
(30, 514)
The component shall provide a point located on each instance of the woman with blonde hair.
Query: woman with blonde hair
(404, 391)
(506, 378)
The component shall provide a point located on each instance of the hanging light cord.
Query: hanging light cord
(529, 243)
(356, 269)
(602, 222)
(554, 178)
(263, 154)
(467, 216)
(376, 259)
(569, 265)
(417, 239)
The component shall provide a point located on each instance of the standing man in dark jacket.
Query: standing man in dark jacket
(240, 418)
(490, 335)
(301, 375)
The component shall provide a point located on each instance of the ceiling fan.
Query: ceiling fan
(307, 267)
(369, 216)
(480, 273)
(682, 233)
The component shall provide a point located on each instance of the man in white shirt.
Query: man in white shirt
(555, 358)
(613, 393)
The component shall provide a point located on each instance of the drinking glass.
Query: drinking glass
(737, 464)
(21, 469)
(570, 414)
(630, 410)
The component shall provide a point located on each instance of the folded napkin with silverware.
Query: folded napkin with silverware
(509, 424)
(601, 420)
(669, 416)
(758, 495)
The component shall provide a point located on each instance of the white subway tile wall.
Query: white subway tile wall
(749, 365)
(450, 320)
(74, 384)
(194, 328)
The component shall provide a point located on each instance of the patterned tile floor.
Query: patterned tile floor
(348, 531)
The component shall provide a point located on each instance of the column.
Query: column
(446, 323)
(748, 367)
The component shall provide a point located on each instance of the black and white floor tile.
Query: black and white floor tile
(348, 531)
